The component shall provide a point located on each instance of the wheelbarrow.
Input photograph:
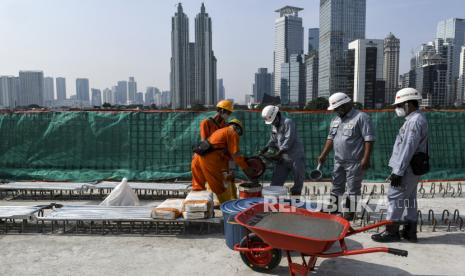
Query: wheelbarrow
(274, 228)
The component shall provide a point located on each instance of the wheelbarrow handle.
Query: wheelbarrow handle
(368, 227)
(394, 251)
(398, 252)
(237, 247)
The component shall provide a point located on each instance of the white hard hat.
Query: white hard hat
(269, 113)
(338, 99)
(407, 94)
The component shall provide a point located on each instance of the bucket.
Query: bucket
(250, 189)
(274, 191)
(233, 232)
(316, 174)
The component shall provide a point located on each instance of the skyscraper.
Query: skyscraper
(49, 91)
(289, 39)
(106, 96)
(461, 81)
(9, 90)
(205, 61)
(220, 90)
(391, 66)
(96, 99)
(293, 81)
(311, 68)
(61, 88)
(341, 21)
(132, 90)
(452, 32)
(263, 84)
(193, 98)
(31, 89)
(365, 72)
(431, 80)
(82, 90)
(139, 98)
(121, 95)
(179, 76)
(313, 39)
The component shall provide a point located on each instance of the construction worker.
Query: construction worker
(211, 166)
(351, 134)
(411, 140)
(290, 149)
(224, 109)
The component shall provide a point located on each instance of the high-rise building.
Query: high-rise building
(114, 94)
(289, 40)
(193, 98)
(365, 72)
(313, 39)
(293, 82)
(179, 76)
(31, 90)
(82, 90)
(9, 91)
(106, 96)
(452, 32)
(431, 80)
(262, 85)
(61, 88)
(122, 93)
(461, 81)
(391, 66)
(311, 69)
(49, 91)
(166, 99)
(205, 61)
(139, 98)
(96, 97)
(132, 90)
(220, 89)
(341, 21)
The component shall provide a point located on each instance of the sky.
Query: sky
(110, 40)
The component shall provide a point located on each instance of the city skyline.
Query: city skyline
(148, 58)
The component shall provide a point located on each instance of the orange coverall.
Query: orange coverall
(210, 167)
(207, 127)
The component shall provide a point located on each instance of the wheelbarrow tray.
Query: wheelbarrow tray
(314, 233)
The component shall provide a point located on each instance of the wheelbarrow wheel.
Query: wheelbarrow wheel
(259, 261)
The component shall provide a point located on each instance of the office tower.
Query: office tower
(365, 72)
(166, 97)
(82, 90)
(96, 97)
(205, 61)
(31, 88)
(9, 91)
(341, 21)
(192, 96)
(132, 90)
(289, 40)
(313, 39)
(49, 91)
(311, 68)
(452, 32)
(61, 88)
(122, 93)
(139, 98)
(179, 76)
(220, 90)
(106, 96)
(293, 82)
(431, 80)
(262, 85)
(461, 81)
(391, 66)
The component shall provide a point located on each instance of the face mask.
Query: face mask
(400, 112)
(340, 113)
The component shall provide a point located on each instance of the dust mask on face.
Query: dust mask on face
(400, 112)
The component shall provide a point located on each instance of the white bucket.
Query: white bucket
(275, 191)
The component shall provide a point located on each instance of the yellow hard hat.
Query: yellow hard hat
(236, 122)
(226, 104)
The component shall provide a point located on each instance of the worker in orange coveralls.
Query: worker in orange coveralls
(211, 166)
(224, 109)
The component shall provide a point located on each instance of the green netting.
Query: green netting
(89, 146)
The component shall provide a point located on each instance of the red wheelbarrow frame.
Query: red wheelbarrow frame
(307, 247)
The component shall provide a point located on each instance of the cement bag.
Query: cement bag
(198, 201)
(195, 215)
(168, 209)
(122, 195)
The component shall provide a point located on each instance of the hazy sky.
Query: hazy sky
(110, 40)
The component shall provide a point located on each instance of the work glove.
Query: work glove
(396, 180)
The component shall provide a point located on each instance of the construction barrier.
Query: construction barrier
(150, 146)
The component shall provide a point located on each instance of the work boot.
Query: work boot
(409, 232)
(391, 234)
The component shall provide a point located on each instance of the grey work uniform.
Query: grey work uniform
(412, 138)
(284, 137)
(349, 135)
